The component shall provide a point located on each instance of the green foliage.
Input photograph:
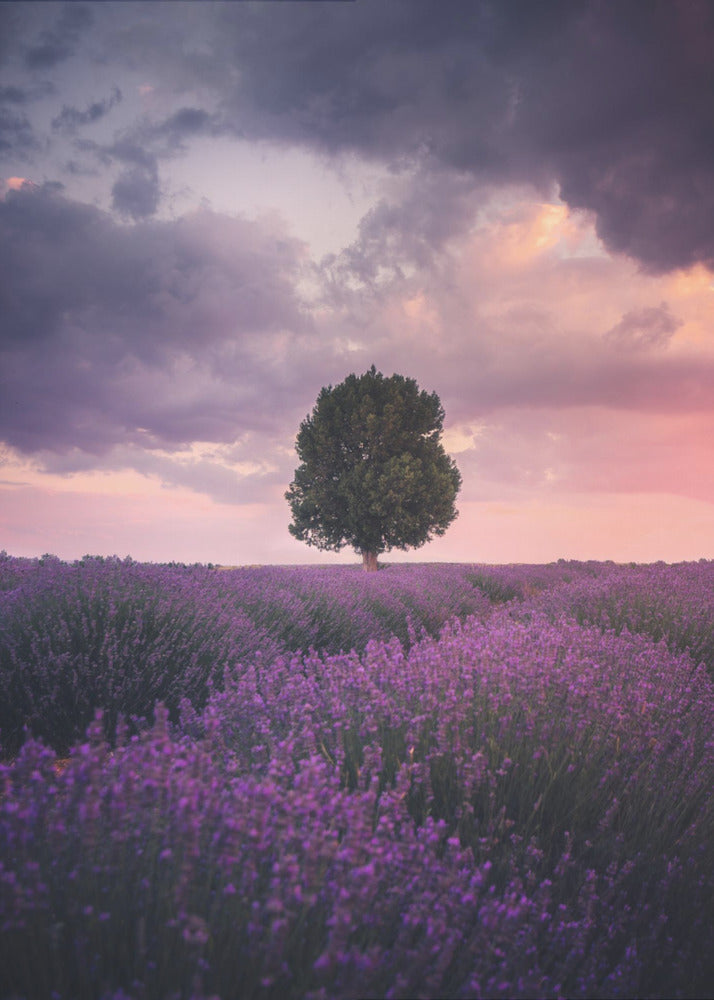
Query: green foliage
(373, 472)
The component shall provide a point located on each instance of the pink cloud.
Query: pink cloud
(582, 372)
(13, 184)
(573, 441)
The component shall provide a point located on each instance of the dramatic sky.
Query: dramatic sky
(210, 211)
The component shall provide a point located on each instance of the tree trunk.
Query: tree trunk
(369, 561)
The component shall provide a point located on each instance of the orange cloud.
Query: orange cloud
(13, 184)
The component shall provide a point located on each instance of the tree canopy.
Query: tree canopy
(373, 472)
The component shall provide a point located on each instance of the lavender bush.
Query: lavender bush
(120, 635)
(112, 635)
(519, 807)
(670, 602)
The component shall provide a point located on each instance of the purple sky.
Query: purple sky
(208, 212)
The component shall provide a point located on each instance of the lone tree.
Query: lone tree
(373, 472)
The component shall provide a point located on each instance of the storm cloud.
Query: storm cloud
(156, 333)
(17, 137)
(70, 118)
(56, 44)
(208, 211)
(612, 103)
(609, 104)
(136, 192)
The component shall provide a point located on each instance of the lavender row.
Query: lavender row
(120, 635)
(516, 809)
(673, 603)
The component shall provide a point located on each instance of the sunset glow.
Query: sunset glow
(193, 241)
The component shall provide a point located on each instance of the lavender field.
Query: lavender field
(432, 781)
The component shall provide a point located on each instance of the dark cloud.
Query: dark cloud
(389, 80)
(17, 137)
(613, 102)
(618, 112)
(154, 334)
(129, 148)
(188, 122)
(11, 26)
(405, 231)
(55, 45)
(27, 93)
(652, 326)
(70, 119)
(610, 104)
(168, 137)
(80, 169)
(136, 193)
(13, 95)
